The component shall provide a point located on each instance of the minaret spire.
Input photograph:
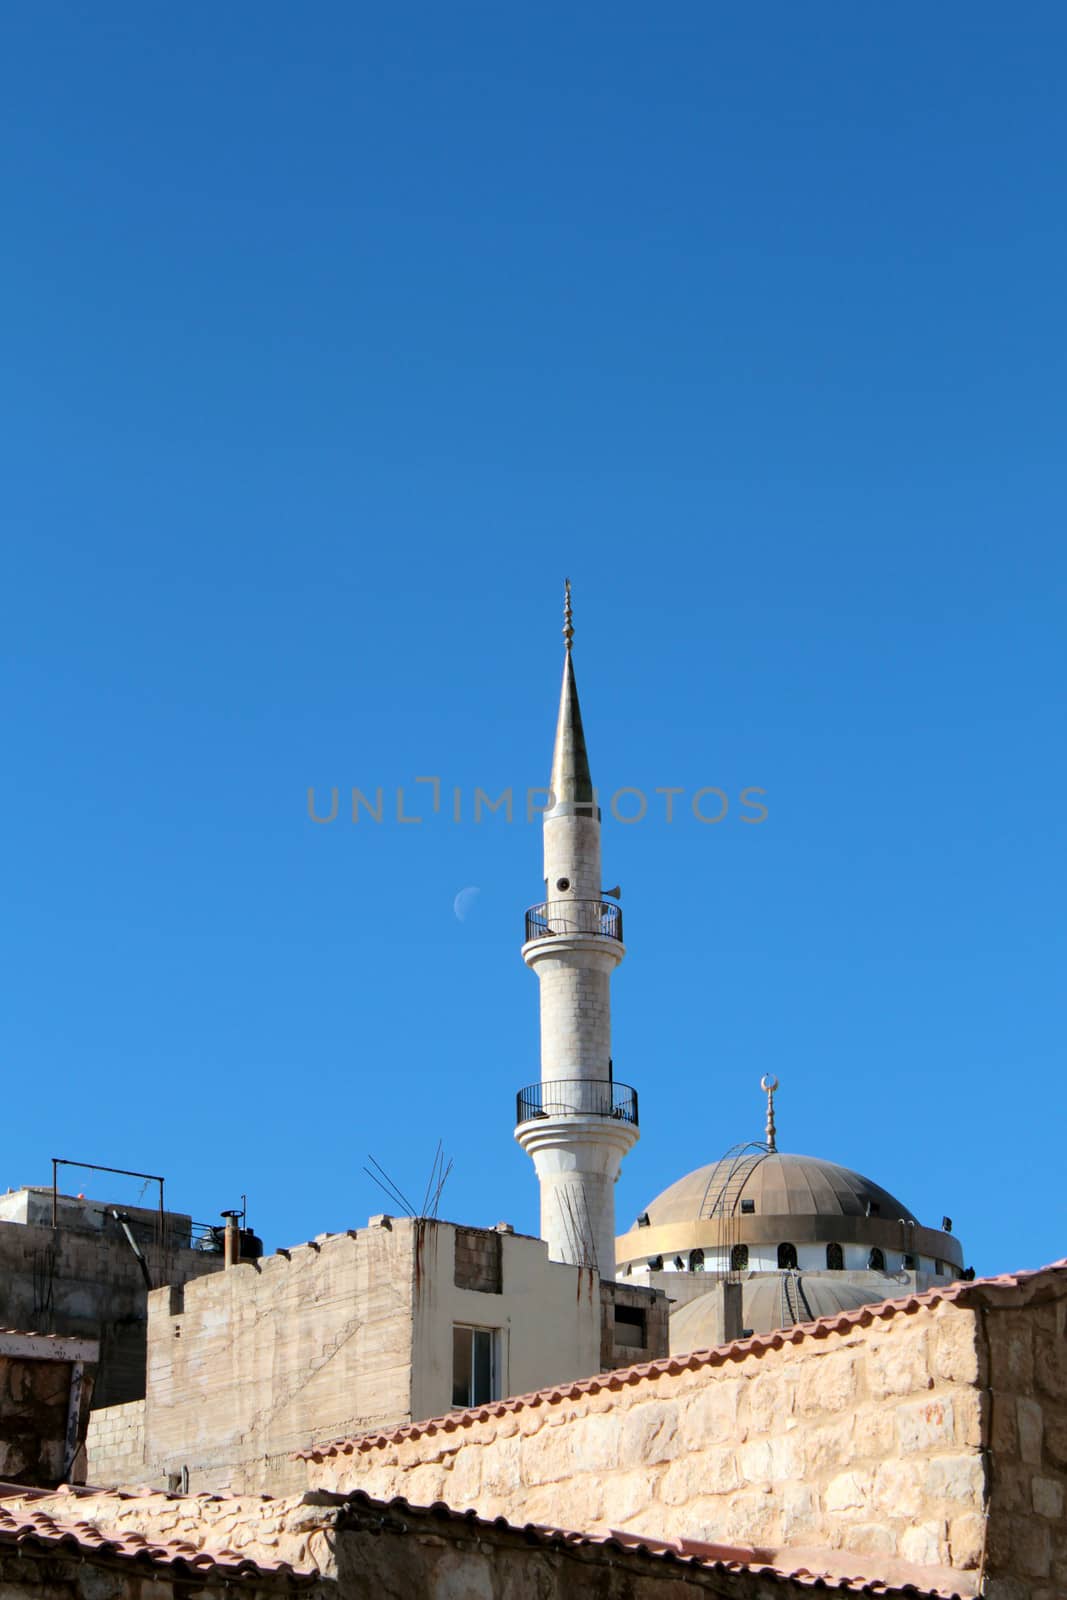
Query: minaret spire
(578, 1122)
(571, 779)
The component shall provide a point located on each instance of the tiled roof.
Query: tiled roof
(720, 1559)
(35, 1530)
(980, 1289)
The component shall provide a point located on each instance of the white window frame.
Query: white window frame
(494, 1363)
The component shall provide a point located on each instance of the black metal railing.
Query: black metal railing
(559, 917)
(584, 1097)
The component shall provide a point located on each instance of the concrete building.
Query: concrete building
(368, 1329)
(69, 1266)
(578, 1122)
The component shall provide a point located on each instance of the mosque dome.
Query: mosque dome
(779, 1185)
(776, 1301)
(760, 1209)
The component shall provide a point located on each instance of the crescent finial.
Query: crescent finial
(769, 1084)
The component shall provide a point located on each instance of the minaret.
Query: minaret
(577, 1123)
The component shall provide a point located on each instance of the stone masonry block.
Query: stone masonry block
(849, 1491)
(966, 1537)
(1048, 1498)
(649, 1433)
(764, 1403)
(828, 1383)
(829, 1447)
(901, 1365)
(959, 1478)
(925, 1543)
(1030, 1423)
(626, 1494)
(1011, 1351)
(874, 1433)
(954, 1349)
(898, 1488)
(596, 1443)
(925, 1424)
(693, 1476)
(1050, 1366)
(711, 1415)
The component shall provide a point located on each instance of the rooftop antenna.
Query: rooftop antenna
(425, 1212)
(436, 1201)
(389, 1187)
(769, 1085)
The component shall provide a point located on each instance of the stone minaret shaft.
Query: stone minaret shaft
(577, 1124)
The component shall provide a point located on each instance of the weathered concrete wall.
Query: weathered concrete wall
(89, 1285)
(643, 1338)
(867, 1439)
(1027, 1542)
(250, 1364)
(114, 1445)
(547, 1316)
(351, 1332)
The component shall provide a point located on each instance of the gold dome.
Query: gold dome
(762, 1198)
(779, 1185)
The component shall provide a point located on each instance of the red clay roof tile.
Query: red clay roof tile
(37, 1530)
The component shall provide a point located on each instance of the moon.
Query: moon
(463, 904)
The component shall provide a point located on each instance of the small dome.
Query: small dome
(766, 1305)
(780, 1185)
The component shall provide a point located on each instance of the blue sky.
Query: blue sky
(335, 338)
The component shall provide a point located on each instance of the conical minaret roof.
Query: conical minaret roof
(571, 780)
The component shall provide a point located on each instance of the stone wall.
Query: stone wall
(248, 1365)
(865, 1436)
(358, 1550)
(634, 1325)
(115, 1444)
(1027, 1541)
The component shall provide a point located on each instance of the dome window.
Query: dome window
(876, 1260)
(748, 1208)
(739, 1258)
(679, 1264)
(696, 1260)
(655, 1263)
(835, 1258)
(909, 1263)
(787, 1255)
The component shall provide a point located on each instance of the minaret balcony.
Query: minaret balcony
(555, 919)
(577, 1097)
